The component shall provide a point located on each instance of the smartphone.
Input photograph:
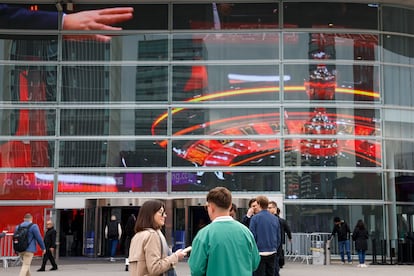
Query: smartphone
(187, 249)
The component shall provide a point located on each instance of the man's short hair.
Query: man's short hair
(251, 202)
(28, 216)
(263, 201)
(337, 219)
(221, 197)
(273, 203)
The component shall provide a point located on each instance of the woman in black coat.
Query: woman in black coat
(360, 236)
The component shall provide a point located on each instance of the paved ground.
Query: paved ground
(73, 266)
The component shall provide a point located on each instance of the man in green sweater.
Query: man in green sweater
(225, 246)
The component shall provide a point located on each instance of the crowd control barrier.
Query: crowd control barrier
(7, 254)
(307, 247)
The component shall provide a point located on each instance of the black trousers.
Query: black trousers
(266, 266)
(48, 256)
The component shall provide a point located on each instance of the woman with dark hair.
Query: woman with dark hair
(149, 253)
(360, 236)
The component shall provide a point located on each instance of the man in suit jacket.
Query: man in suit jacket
(16, 17)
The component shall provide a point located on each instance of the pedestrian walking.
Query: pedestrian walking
(50, 244)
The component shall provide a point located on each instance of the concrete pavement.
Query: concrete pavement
(78, 266)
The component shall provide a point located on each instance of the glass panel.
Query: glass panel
(332, 184)
(330, 46)
(398, 123)
(13, 215)
(399, 20)
(227, 152)
(330, 15)
(107, 182)
(29, 16)
(405, 228)
(114, 83)
(204, 83)
(145, 17)
(398, 85)
(28, 83)
(226, 16)
(400, 155)
(398, 49)
(226, 46)
(28, 47)
(26, 153)
(404, 186)
(319, 218)
(332, 82)
(102, 122)
(103, 153)
(333, 121)
(137, 47)
(22, 122)
(235, 181)
(24, 186)
(226, 121)
(332, 152)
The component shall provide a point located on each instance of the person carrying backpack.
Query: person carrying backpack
(33, 236)
(113, 232)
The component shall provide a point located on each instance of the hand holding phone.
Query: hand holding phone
(187, 249)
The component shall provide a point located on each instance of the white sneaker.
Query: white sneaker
(359, 265)
(364, 265)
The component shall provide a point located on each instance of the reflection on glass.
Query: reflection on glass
(26, 153)
(332, 152)
(98, 122)
(235, 181)
(24, 186)
(230, 83)
(319, 219)
(224, 46)
(332, 184)
(106, 153)
(118, 182)
(146, 16)
(226, 16)
(22, 122)
(321, 82)
(227, 152)
(136, 47)
(335, 46)
(404, 186)
(400, 154)
(330, 15)
(84, 83)
(224, 122)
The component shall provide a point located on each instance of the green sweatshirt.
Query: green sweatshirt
(222, 248)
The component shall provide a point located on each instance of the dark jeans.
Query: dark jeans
(113, 244)
(48, 256)
(266, 266)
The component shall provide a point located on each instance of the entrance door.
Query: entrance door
(198, 219)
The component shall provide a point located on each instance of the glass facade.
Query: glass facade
(261, 97)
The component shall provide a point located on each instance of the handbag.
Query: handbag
(171, 271)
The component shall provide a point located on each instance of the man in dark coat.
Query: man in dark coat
(50, 244)
(129, 233)
(342, 229)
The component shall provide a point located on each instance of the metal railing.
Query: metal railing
(305, 246)
(7, 254)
